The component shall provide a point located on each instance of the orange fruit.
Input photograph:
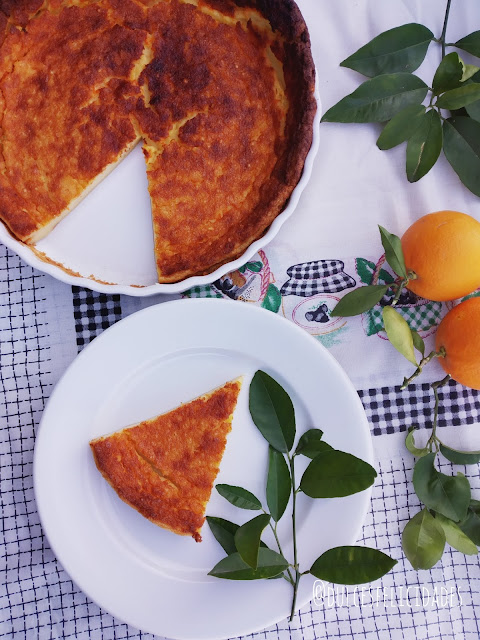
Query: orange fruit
(443, 249)
(459, 334)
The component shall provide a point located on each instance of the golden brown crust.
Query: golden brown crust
(65, 90)
(222, 91)
(240, 140)
(165, 467)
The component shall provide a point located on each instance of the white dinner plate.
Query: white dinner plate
(147, 364)
(82, 251)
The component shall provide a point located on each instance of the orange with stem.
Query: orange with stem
(442, 249)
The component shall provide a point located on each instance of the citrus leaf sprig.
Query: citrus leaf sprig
(450, 515)
(330, 474)
(395, 96)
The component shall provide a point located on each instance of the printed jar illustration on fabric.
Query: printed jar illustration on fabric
(309, 295)
(421, 315)
(254, 283)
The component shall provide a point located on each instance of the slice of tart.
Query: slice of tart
(165, 467)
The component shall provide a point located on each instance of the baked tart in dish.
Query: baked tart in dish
(220, 93)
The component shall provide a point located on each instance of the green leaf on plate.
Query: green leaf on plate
(448, 495)
(410, 445)
(393, 251)
(233, 567)
(460, 457)
(247, 539)
(461, 97)
(378, 99)
(424, 146)
(352, 565)
(399, 333)
(224, 532)
(449, 74)
(272, 411)
(401, 127)
(455, 537)
(278, 484)
(398, 49)
(461, 144)
(418, 342)
(360, 300)
(335, 474)
(470, 43)
(423, 540)
(311, 444)
(470, 525)
(239, 497)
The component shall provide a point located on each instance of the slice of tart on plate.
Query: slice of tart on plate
(165, 467)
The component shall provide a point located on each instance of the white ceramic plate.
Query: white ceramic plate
(147, 364)
(125, 263)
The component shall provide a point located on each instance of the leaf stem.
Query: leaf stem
(294, 533)
(421, 364)
(435, 386)
(444, 30)
(400, 285)
(274, 529)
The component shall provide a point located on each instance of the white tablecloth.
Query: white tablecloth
(354, 187)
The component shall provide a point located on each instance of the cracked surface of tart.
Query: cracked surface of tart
(221, 92)
(165, 467)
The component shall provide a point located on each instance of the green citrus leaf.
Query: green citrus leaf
(418, 342)
(423, 540)
(461, 144)
(393, 252)
(410, 444)
(470, 43)
(224, 532)
(461, 97)
(401, 127)
(279, 484)
(455, 537)
(309, 438)
(399, 333)
(352, 565)
(449, 74)
(398, 49)
(473, 110)
(311, 444)
(360, 300)
(232, 567)
(469, 70)
(470, 525)
(378, 99)
(239, 497)
(335, 474)
(460, 457)
(272, 411)
(448, 495)
(247, 539)
(424, 146)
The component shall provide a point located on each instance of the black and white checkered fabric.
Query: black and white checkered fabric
(38, 601)
(318, 276)
(93, 312)
(390, 410)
